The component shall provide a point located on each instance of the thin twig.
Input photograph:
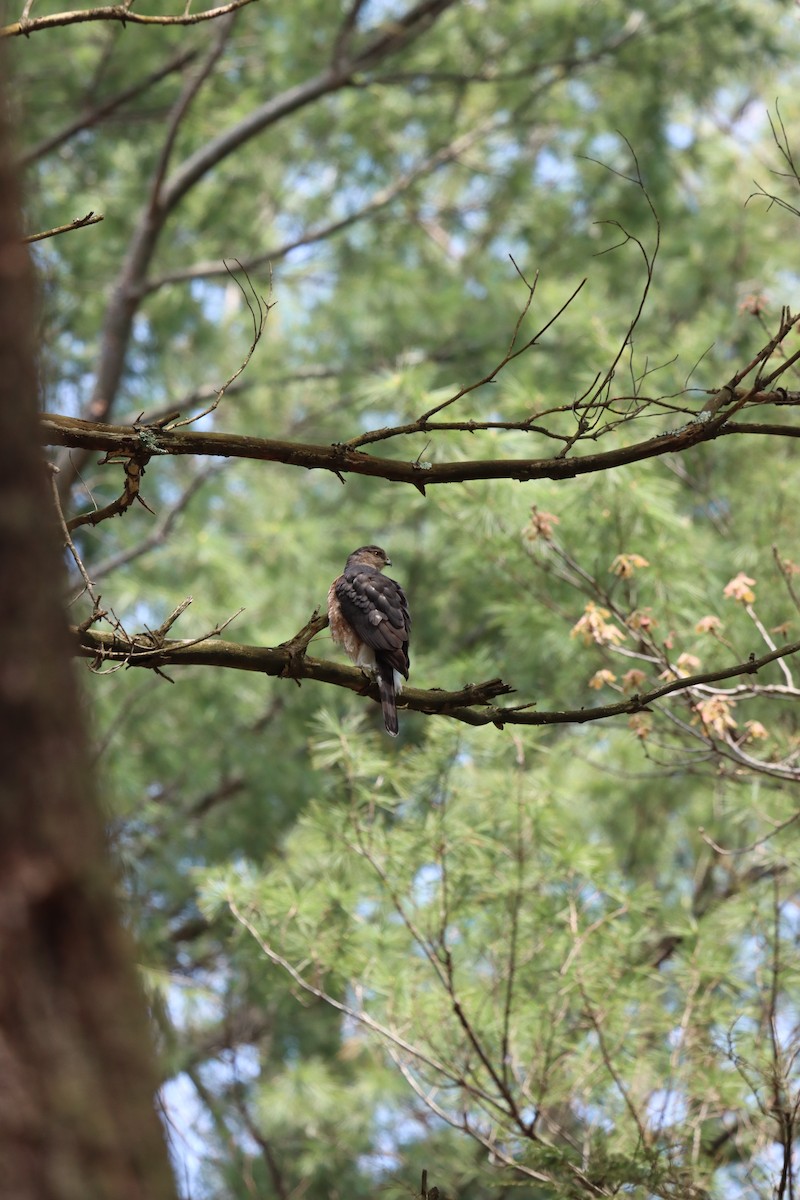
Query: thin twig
(91, 218)
(68, 542)
(259, 316)
(753, 615)
(358, 1015)
(158, 535)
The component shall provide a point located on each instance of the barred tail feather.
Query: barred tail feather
(388, 702)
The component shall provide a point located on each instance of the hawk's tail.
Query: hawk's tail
(388, 700)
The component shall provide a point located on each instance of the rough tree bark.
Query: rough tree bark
(77, 1118)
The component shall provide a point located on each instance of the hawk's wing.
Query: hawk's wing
(376, 609)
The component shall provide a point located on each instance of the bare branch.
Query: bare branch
(428, 1096)
(68, 542)
(212, 268)
(126, 292)
(115, 12)
(355, 1014)
(79, 223)
(162, 530)
(343, 459)
(259, 311)
(97, 114)
(514, 351)
(184, 102)
(134, 470)
(597, 1024)
(388, 40)
(471, 704)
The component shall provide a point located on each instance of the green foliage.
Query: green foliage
(556, 958)
(464, 904)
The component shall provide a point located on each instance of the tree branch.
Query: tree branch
(331, 79)
(88, 120)
(157, 536)
(214, 268)
(115, 12)
(126, 292)
(471, 704)
(58, 430)
(79, 223)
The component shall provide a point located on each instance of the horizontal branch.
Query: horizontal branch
(288, 660)
(119, 440)
(115, 12)
(165, 193)
(472, 704)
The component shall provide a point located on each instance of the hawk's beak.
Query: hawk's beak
(388, 562)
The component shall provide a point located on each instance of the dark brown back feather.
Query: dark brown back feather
(377, 609)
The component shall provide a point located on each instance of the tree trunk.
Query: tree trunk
(77, 1080)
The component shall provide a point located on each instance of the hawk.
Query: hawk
(368, 613)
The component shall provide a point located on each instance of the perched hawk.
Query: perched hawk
(368, 613)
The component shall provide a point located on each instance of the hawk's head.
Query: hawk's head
(369, 556)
